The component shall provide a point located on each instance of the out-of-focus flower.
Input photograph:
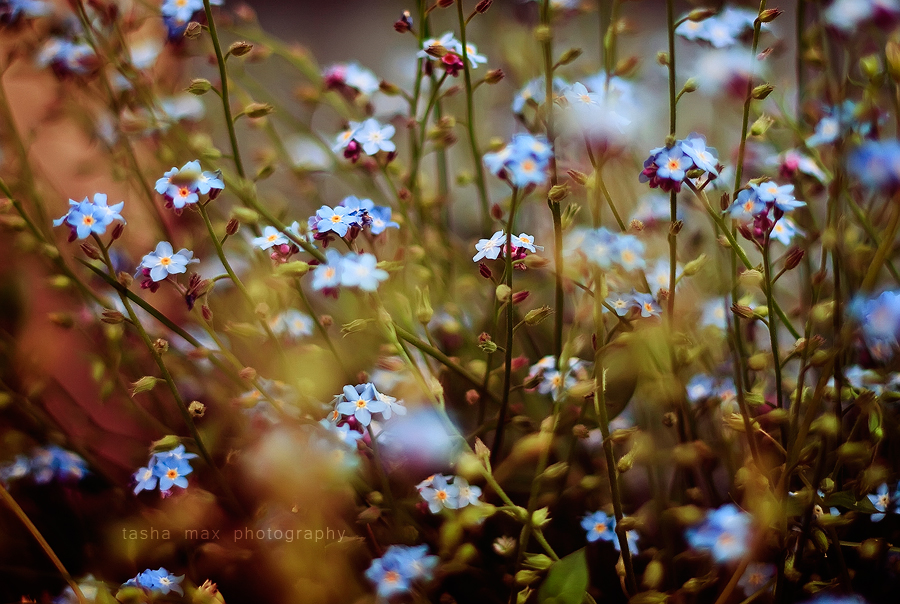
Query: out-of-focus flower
(879, 319)
(720, 30)
(353, 76)
(535, 91)
(67, 58)
(725, 534)
(292, 323)
(756, 576)
(876, 164)
(400, 568)
(523, 161)
(849, 15)
(51, 462)
(13, 10)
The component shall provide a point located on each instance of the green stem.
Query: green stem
(773, 327)
(470, 126)
(24, 519)
(223, 75)
(510, 325)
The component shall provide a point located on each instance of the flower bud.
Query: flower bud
(579, 177)
(701, 14)
(744, 312)
(445, 3)
(161, 346)
(111, 316)
(245, 215)
(762, 91)
(662, 58)
(256, 110)
(354, 326)
(795, 255)
(502, 292)
(247, 373)
(483, 6)
(761, 125)
(297, 268)
(239, 49)
(485, 271)
(125, 279)
(493, 76)
(193, 30)
(537, 315)
(199, 86)
(145, 384)
(691, 85)
(424, 312)
(540, 517)
(521, 296)
(117, 231)
(543, 33)
(207, 313)
(536, 262)
(569, 56)
(636, 225)
(694, 266)
(769, 15)
(625, 67)
(558, 192)
(90, 251)
(404, 23)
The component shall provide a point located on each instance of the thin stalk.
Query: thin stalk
(673, 196)
(24, 519)
(773, 328)
(305, 299)
(470, 126)
(223, 75)
(887, 243)
(555, 210)
(510, 325)
(220, 252)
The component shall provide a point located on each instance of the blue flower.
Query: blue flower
(704, 157)
(466, 494)
(755, 576)
(673, 164)
(391, 404)
(524, 241)
(55, 462)
(601, 527)
(725, 533)
(784, 230)
(361, 403)
(715, 311)
(157, 580)
(523, 161)
(18, 468)
(747, 206)
(163, 262)
(599, 246)
(490, 248)
(628, 252)
(440, 494)
(374, 137)
(270, 238)
(400, 567)
(361, 270)
(338, 220)
(292, 323)
(90, 217)
(647, 304)
(700, 388)
(620, 303)
(381, 220)
(536, 91)
(146, 478)
(876, 164)
(184, 186)
(880, 321)
(343, 139)
(171, 471)
(66, 57)
(881, 500)
(12, 10)
(328, 275)
(181, 10)
(782, 197)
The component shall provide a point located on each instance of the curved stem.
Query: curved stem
(223, 75)
(24, 519)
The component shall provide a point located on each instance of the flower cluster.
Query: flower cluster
(368, 136)
(449, 50)
(162, 262)
(534, 92)
(182, 187)
(159, 580)
(349, 218)
(400, 568)
(722, 30)
(348, 270)
(350, 79)
(549, 380)
(450, 492)
(668, 167)
(623, 304)
(606, 249)
(166, 469)
(292, 323)
(495, 247)
(754, 205)
(45, 464)
(522, 162)
(602, 527)
(362, 400)
(86, 218)
(725, 533)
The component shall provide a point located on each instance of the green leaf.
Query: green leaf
(848, 500)
(566, 581)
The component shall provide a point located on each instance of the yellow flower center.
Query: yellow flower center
(173, 474)
(88, 220)
(599, 528)
(360, 404)
(165, 260)
(442, 495)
